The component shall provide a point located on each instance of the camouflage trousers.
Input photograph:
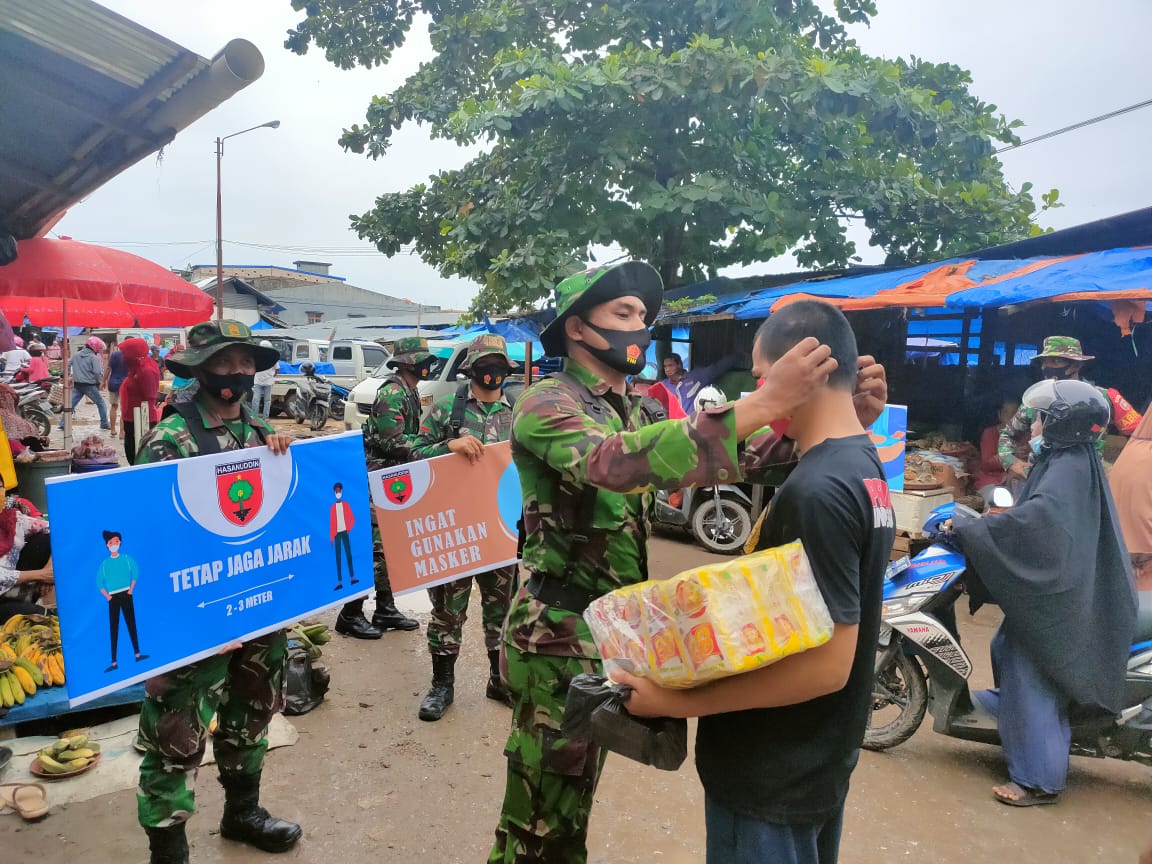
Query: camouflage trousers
(551, 779)
(244, 688)
(450, 609)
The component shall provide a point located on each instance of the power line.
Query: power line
(1092, 120)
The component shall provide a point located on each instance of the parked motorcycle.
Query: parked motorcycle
(337, 400)
(33, 403)
(719, 518)
(310, 403)
(920, 665)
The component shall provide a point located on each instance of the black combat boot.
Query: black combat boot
(496, 689)
(388, 617)
(168, 845)
(245, 821)
(351, 622)
(442, 692)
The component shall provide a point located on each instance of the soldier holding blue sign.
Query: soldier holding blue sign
(242, 686)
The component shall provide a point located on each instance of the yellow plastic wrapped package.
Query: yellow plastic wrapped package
(714, 621)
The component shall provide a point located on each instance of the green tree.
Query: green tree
(696, 134)
(240, 490)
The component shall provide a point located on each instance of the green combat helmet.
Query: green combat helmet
(1063, 347)
(488, 345)
(210, 338)
(412, 351)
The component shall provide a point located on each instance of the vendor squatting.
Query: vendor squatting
(250, 559)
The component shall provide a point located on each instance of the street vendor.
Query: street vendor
(1061, 359)
(389, 434)
(463, 422)
(589, 460)
(244, 686)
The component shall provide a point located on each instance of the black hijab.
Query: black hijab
(1057, 566)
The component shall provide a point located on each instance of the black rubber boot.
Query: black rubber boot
(168, 845)
(496, 689)
(245, 821)
(443, 684)
(388, 617)
(351, 622)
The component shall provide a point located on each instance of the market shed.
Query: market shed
(87, 93)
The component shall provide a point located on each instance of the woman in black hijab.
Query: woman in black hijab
(1057, 566)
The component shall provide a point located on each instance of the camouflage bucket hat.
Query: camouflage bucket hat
(210, 338)
(582, 291)
(412, 350)
(488, 345)
(1064, 347)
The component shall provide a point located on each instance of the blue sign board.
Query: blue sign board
(161, 565)
(890, 435)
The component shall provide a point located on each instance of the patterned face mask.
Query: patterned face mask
(625, 351)
(489, 377)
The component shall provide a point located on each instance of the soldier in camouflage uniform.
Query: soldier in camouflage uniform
(243, 687)
(589, 463)
(389, 434)
(1061, 358)
(463, 422)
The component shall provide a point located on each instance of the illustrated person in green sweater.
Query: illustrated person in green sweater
(116, 580)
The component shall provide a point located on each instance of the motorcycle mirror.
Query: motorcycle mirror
(1001, 497)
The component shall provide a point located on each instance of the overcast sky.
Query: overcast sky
(1047, 62)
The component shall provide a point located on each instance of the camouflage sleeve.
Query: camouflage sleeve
(168, 440)
(388, 421)
(766, 458)
(552, 425)
(1006, 448)
(433, 437)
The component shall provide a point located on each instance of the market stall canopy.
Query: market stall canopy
(101, 287)
(87, 93)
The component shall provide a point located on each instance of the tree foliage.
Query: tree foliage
(696, 134)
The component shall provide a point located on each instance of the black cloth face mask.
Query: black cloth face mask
(227, 388)
(626, 348)
(488, 378)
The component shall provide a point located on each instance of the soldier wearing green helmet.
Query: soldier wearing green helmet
(590, 460)
(243, 687)
(390, 433)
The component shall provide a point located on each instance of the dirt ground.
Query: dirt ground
(370, 783)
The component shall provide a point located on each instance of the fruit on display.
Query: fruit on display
(70, 753)
(30, 657)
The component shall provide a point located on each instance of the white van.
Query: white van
(353, 360)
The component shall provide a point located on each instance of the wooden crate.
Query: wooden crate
(912, 508)
(906, 546)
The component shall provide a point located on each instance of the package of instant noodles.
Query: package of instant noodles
(714, 621)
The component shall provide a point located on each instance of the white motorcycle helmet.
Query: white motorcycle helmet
(710, 397)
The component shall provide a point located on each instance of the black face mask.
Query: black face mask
(1057, 373)
(489, 378)
(227, 388)
(625, 351)
(424, 369)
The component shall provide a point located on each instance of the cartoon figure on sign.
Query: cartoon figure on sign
(239, 490)
(340, 522)
(397, 486)
(116, 580)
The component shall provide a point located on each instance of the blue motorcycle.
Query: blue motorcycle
(921, 666)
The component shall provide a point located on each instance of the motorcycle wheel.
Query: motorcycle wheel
(318, 416)
(38, 418)
(722, 526)
(899, 702)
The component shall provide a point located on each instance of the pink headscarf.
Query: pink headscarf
(95, 344)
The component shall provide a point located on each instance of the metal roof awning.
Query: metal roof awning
(86, 93)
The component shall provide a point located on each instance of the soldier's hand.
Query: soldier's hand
(871, 390)
(789, 382)
(469, 446)
(279, 443)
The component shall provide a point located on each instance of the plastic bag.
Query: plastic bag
(715, 621)
(305, 683)
(595, 711)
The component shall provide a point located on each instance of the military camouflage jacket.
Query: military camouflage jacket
(1018, 430)
(170, 438)
(491, 423)
(559, 449)
(392, 427)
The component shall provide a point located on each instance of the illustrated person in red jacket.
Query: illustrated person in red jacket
(340, 522)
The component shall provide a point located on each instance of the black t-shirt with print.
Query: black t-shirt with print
(792, 764)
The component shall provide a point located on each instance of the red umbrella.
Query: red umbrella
(95, 286)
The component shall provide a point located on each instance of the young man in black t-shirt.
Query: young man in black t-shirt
(776, 747)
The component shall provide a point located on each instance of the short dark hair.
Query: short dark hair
(674, 356)
(797, 321)
(338, 487)
(109, 536)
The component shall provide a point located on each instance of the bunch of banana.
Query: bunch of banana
(11, 690)
(68, 754)
(311, 637)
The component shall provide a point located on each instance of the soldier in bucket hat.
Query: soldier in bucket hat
(1061, 358)
(591, 455)
(389, 435)
(243, 687)
(463, 422)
